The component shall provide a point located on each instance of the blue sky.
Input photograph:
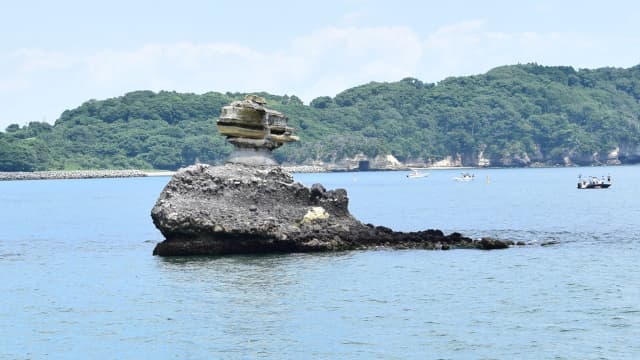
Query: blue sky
(54, 55)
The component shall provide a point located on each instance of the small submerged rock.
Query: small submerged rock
(489, 243)
(550, 243)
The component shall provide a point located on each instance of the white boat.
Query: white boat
(464, 177)
(416, 173)
(592, 182)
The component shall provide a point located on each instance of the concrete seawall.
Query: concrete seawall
(304, 169)
(101, 174)
(75, 174)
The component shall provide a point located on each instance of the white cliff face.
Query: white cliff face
(629, 153)
(482, 160)
(448, 161)
(348, 163)
(622, 154)
(386, 162)
(612, 157)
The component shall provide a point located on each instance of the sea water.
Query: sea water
(78, 280)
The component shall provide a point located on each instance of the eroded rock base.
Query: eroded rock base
(239, 209)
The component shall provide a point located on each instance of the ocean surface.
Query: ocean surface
(78, 280)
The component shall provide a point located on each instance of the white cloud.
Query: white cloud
(33, 60)
(194, 67)
(352, 56)
(322, 63)
(470, 48)
(354, 17)
(38, 84)
(9, 85)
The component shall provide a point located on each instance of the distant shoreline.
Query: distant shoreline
(158, 173)
(104, 174)
(72, 174)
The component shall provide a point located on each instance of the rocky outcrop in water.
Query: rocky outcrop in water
(236, 208)
(251, 205)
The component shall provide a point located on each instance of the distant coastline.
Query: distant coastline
(524, 115)
(102, 174)
(73, 174)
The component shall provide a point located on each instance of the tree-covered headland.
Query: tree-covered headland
(517, 115)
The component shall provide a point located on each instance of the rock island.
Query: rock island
(251, 205)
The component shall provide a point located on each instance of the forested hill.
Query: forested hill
(511, 116)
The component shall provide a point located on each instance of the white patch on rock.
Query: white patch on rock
(315, 213)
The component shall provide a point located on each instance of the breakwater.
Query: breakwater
(74, 174)
(97, 174)
(304, 169)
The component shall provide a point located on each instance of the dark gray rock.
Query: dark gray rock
(235, 208)
(488, 243)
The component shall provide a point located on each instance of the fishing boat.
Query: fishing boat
(464, 177)
(593, 182)
(416, 173)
